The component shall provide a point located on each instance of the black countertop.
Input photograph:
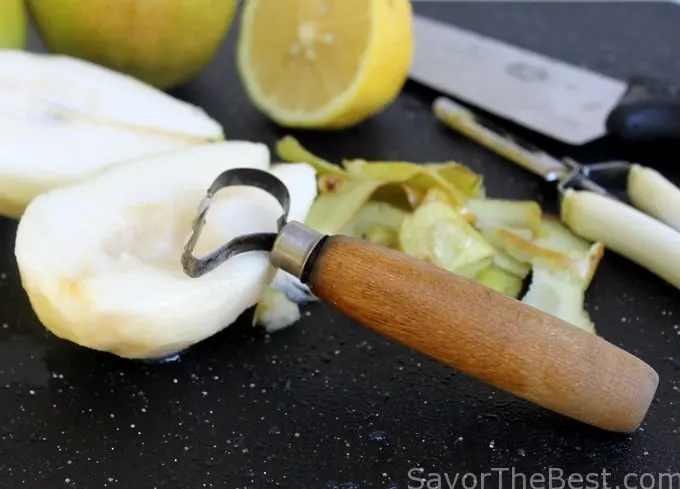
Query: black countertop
(327, 403)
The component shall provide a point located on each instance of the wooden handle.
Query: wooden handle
(483, 333)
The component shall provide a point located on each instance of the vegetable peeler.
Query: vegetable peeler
(631, 209)
(480, 332)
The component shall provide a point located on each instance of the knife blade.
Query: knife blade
(551, 97)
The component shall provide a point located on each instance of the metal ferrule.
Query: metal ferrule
(293, 248)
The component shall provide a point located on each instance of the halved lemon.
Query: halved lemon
(324, 64)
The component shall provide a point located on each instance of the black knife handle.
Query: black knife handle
(648, 114)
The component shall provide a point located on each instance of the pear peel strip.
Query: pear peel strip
(625, 230)
(653, 193)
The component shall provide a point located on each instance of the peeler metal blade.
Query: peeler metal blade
(565, 173)
(197, 266)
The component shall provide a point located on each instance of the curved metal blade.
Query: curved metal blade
(194, 266)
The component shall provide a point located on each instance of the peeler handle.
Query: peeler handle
(483, 333)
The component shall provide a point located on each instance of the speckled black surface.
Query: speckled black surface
(327, 403)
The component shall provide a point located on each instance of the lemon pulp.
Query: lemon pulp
(324, 63)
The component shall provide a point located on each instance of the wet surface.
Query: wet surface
(328, 403)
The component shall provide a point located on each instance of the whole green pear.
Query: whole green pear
(13, 24)
(165, 43)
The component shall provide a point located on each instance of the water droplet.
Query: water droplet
(378, 435)
(175, 357)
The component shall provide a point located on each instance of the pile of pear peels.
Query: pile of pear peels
(439, 212)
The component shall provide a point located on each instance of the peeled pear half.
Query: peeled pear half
(100, 259)
(64, 119)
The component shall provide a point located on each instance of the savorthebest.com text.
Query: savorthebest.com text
(552, 478)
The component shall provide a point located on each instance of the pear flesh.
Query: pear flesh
(100, 260)
(64, 119)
